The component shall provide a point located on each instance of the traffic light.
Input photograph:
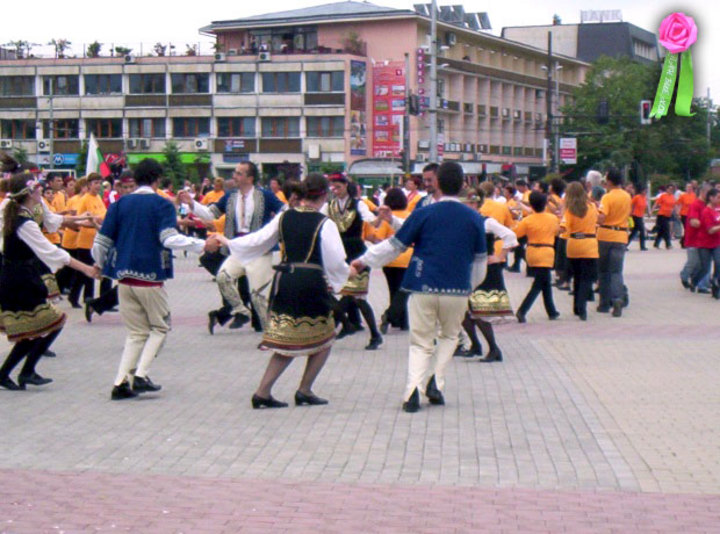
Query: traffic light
(603, 112)
(645, 107)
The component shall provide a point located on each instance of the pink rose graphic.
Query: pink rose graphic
(677, 32)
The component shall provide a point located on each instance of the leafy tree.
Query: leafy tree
(80, 168)
(93, 49)
(21, 155)
(61, 45)
(22, 48)
(190, 50)
(122, 50)
(673, 145)
(159, 49)
(174, 168)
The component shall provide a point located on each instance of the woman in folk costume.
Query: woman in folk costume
(490, 298)
(26, 317)
(300, 321)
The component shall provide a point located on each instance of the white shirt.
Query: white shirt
(365, 214)
(54, 257)
(51, 221)
(249, 247)
(242, 224)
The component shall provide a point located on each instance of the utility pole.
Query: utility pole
(556, 139)
(709, 112)
(432, 110)
(549, 109)
(406, 118)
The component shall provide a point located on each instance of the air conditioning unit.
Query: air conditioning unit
(506, 112)
(264, 56)
(451, 39)
(144, 144)
(200, 143)
(517, 114)
(129, 58)
(131, 144)
(5, 143)
(43, 145)
(423, 143)
(421, 158)
(232, 52)
(220, 57)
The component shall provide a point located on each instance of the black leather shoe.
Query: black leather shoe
(311, 400)
(375, 343)
(554, 316)
(49, 354)
(685, 283)
(7, 383)
(433, 394)
(122, 391)
(212, 321)
(384, 324)
(75, 305)
(467, 353)
(495, 355)
(143, 384)
(239, 320)
(412, 405)
(34, 379)
(582, 315)
(259, 402)
(88, 312)
(603, 309)
(617, 307)
(521, 317)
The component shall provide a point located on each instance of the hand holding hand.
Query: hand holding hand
(212, 244)
(356, 267)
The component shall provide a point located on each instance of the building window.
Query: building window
(325, 126)
(191, 127)
(147, 127)
(17, 85)
(190, 83)
(147, 84)
(103, 84)
(281, 82)
(236, 126)
(61, 129)
(17, 129)
(108, 128)
(281, 127)
(325, 82)
(235, 82)
(61, 85)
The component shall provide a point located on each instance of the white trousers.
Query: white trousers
(259, 273)
(146, 314)
(431, 316)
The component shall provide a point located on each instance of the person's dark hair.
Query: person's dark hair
(450, 178)
(395, 199)
(252, 170)
(291, 187)
(352, 189)
(543, 186)
(165, 183)
(511, 189)
(520, 183)
(147, 172)
(614, 176)
(431, 167)
(94, 177)
(538, 201)
(314, 186)
(558, 186)
(16, 184)
(712, 193)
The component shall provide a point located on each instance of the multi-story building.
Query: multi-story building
(304, 87)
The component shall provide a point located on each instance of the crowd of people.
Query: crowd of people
(294, 261)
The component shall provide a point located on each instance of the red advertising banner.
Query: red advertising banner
(388, 109)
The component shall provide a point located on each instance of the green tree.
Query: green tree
(122, 50)
(673, 145)
(21, 155)
(80, 168)
(93, 49)
(159, 49)
(22, 48)
(61, 45)
(174, 168)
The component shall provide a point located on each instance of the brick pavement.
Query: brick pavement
(616, 411)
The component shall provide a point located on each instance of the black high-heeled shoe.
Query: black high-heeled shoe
(311, 400)
(34, 379)
(259, 402)
(7, 383)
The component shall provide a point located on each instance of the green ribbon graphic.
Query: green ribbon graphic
(666, 86)
(685, 86)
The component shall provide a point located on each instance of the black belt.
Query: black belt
(240, 234)
(580, 235)
(290, 267)
(616, 228)
(540, 245)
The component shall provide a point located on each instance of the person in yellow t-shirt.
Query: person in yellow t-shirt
(53, 237)
(216, 193)
(540, 229)
(396, 313)
(580, 223)
(612, 235)
(92, 203)
(276, 186)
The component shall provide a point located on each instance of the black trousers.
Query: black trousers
(396, 312)
(542, 283)
(584, 271)
(638, 230)
(106, 301)
(80, 281)
(663, 231)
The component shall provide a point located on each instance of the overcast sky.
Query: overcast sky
(132, 22)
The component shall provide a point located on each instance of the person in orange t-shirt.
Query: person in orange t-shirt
(580, 223)
(665, 205)
(684, 201)
(638, 205)
(540, 228)
(215, 194)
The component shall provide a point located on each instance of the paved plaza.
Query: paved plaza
(612, 425)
